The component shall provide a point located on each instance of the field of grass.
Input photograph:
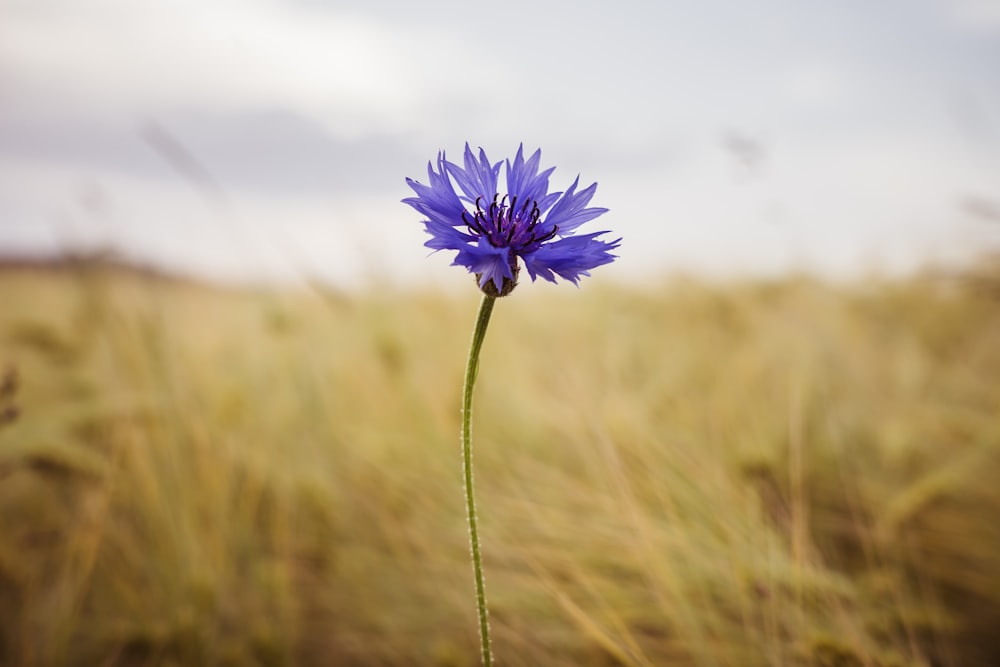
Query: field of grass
(784, 473)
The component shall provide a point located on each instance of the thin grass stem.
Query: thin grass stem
(471, 371)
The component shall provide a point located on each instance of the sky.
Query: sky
(266, 140)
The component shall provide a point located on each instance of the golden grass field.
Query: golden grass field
(768, 473)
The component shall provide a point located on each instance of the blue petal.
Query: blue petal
(437, 201)
(478, 179)
(569, 213)
(523, 179)
(444, 217)
(484, 259)
(570, 257)
(446, 237)
(545, 202)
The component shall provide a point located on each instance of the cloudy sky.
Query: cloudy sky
(258, 138)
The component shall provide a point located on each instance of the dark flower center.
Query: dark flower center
(507, 224)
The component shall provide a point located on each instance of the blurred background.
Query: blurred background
(766, 436)
(263, 139)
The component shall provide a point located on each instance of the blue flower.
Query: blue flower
(492, 226)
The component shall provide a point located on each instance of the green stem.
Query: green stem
(485, 310)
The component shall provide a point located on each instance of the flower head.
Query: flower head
(491, 226)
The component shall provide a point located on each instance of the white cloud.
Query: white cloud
(350, 71)
(847, 104)
(979, 15)
(815, 83)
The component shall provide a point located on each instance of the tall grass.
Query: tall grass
(784, 473)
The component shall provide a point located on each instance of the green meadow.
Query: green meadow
(768, 473)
